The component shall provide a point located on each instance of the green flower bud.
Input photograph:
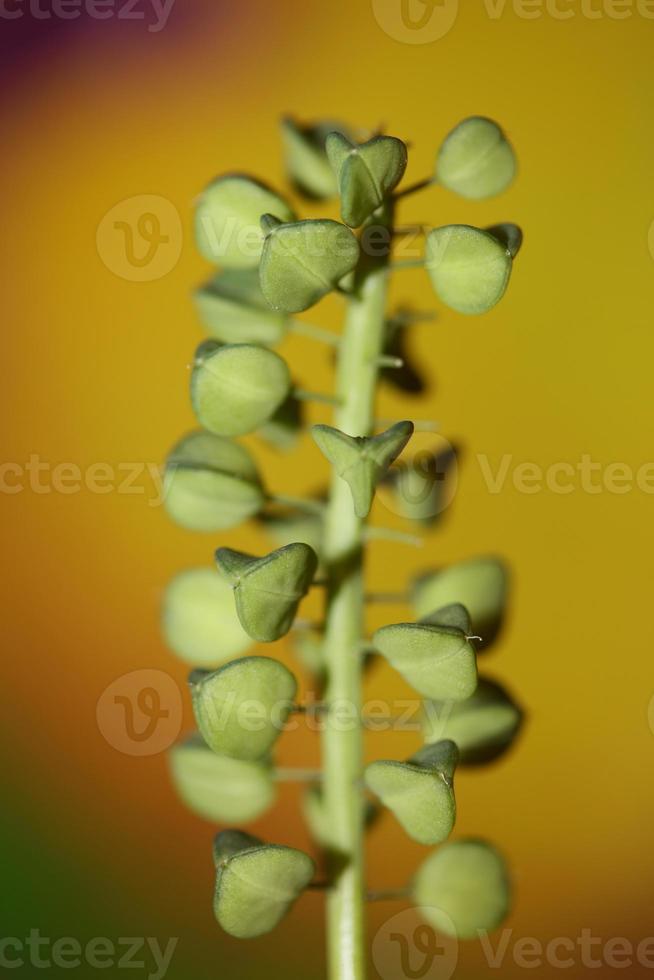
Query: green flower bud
(304, 261)
(211, 483)
(483, 726)
(306, 158)
(479, 584)
(419, 792)
(237, 387)
(469, 268)
(268, 590)
(454, 615)
(241, 708)
(362, 461)
(476, 160)
(199, 620)
(438, 661)
(234, 310)
(219, 788)
(256, 883)
(227, 220)
(367, 174)
(463, 888)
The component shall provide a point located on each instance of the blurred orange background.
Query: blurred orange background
(97, 112)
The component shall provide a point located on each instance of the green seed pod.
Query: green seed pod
(438, 661)
(410, 378)
(476, 160)
(241, 708)
(454, 615)
(291, 526)
(199, 620)
(309, 650)
(484, 726)
(229, 842)
(479, 584)
(237, 387)
(419, 792)
(304, 261)
(219, 788)
(257, 884)
(268, 590)
(284, 428)
(424, 488)
(362, 462)
(234, 310)
(320, 827)
(469, 268)
(306, 158)
(367, 174)
(211, 483)
(510, 236)
(227, 217)
(464, 886)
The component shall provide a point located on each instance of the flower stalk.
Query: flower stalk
(344, 551)
(226, 772)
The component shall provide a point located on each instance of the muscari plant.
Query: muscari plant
(272, 266)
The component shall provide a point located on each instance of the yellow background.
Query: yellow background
(95, 370)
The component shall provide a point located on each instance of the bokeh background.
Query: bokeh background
(94, 841)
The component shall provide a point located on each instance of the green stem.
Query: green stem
(314, 332)
(357, 374)
(303, 395)
(297, 503)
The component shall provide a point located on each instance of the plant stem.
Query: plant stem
(357, 373)
(295, 775)
(314, 332)
(297, 503)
